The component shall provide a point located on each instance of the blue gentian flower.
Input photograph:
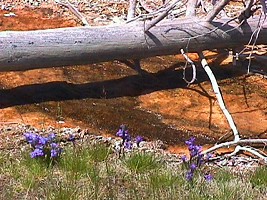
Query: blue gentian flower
(196, 159)
(139, 139)
(208, 177)
(37, 153)
(193, 167)
(128, 145)
(189, 175)
(32, 138)
(184, 158)
(42, 146)
(71, 138)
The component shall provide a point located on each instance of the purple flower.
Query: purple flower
(37, 153)
(55, 153)
(209, 156)
(71, 138)
(139, 139)
(193, 167)
(54, 145)
(208, 177)
(55, 150)
(184, 158)
(42, 140)
(189, 176)
(51, 137)
(43, 146)
(191, 141)
(123, 133)
(31, 138)
(128, 145)
(195, 150)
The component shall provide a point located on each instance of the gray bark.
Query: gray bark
(22, 50)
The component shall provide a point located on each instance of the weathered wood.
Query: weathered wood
(22, 50)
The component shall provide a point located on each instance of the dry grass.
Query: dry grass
(95, 172)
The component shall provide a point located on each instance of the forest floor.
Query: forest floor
(156, 104)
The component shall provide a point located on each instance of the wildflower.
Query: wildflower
(55, 153)
(128, 145)
(139, 139)
(31, 138)
(71, 138)
(43, 146)
(42, 140)
(51, 137)
(123, 133)
(189, 176)
(196, 159)
(193, 167)
(184, 158)
(37, 153)
(208, 177)
(190, 142)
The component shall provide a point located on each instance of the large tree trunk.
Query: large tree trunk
(21, 50)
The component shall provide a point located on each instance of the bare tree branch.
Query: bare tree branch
(232, 143)
(161, 16)
(212, 14)
(218, 94)
(131, 10)
(191, 8)
(247, 12)
(193, 68)
(253, 151)
(74, 11)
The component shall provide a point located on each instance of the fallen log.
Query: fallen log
(23, 50)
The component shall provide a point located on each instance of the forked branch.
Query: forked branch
(237, 141)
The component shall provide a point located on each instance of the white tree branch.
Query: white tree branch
(232, 143)
(218, 94)
(193, 68)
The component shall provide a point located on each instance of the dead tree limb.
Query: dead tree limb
(191, 8)
(131, 9)
(74, 11)
(218, 7)
(156, 20)
(219, 96)
(22, 50)
(237, 140)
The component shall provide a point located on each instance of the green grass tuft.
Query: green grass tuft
(142, 163)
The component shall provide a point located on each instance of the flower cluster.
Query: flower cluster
(127, 141)
(43, 146)
(195, 160)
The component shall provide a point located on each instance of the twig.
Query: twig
(212, 14)
(247, 12)
(218, 94)
(161, 16)
(74, 11)
(193, 68)
(248, 149)
(232, 143)
(254, 43)
(191, 8)
(131, 10)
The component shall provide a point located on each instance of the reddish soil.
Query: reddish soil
(157, 104)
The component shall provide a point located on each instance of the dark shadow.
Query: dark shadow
(134, 85)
